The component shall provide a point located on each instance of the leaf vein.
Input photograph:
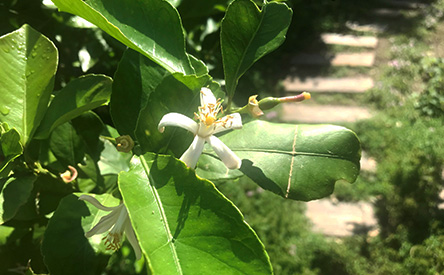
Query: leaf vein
(292, 160)
(163, 215)
(292, 153)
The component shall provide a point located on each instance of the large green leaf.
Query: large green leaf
(151, 27)
(65, 248)
(184, 225)
(80, 95)
(247, 34)
(28, 63)
(14, 194)
(300, 162)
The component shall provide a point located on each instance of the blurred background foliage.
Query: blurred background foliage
(405, 138)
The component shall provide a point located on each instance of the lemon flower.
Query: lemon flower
(120, 223)
(204, 130)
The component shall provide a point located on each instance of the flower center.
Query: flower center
(209, 120)
(208, 112)
(113, 241)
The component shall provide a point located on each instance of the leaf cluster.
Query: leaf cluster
(183, 223)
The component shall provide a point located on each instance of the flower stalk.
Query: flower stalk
(255, 108)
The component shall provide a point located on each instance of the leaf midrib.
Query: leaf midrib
(249, 44)
(290, 153)
(25, 88)
(162, 214)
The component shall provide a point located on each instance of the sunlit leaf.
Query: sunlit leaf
(5, 231)
(184, 224)
(80, 95)
(28, 62)
(113, 161)
(300, 162)
(152, 27)
(211, 168)
(247, 34)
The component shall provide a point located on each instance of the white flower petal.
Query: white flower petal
(234, 121)
(105, 223)
(225, 154)
(131, 236)
(193, 152)
(207, 97)
(179, 120)
(96, 203)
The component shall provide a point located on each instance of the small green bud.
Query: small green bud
(270, 102)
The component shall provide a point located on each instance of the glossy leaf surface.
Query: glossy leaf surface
(28, 62)
(184, 224)
(300, 162)
(80, 95)
(152, 27)
(247, 34)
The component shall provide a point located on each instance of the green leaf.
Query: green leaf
(28, 63)
(151, 27)
(14, 194)
(135, 79)
(80, 95)
(65, 248)
(199, 67)
(214, 170)
(300, 162)
(67, 145)
(183, 223)
(5, 233)
(10, 146)
(50, 192)
(89, 126)
(247, 34)
(113, 161)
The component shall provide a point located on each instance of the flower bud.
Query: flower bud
(270, 102)
(124, 143)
